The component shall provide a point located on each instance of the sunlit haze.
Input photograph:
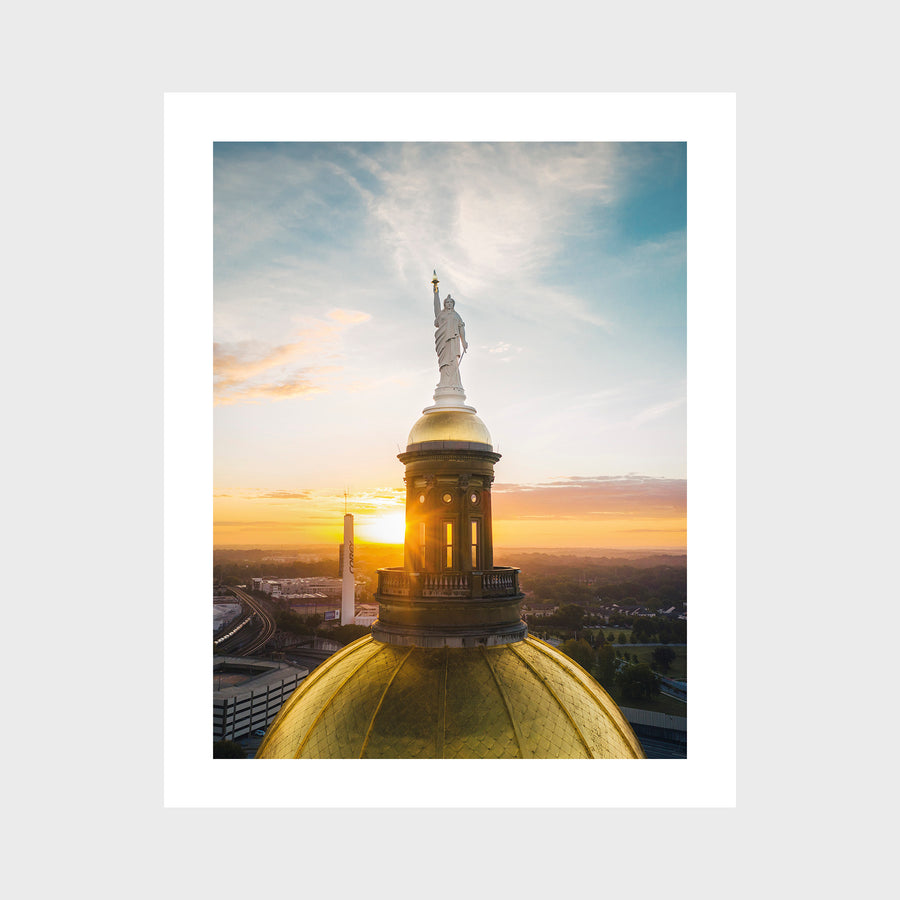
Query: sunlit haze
(568, 266)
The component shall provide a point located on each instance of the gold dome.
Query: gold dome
(378, 701)
(450, 425)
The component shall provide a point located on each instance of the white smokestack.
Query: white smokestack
(348, 587)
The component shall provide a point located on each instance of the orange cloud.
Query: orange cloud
(284, 495)
(249, 371)
(237, 370)
(280, 391)
(348, 316)
(602, 511)
(592, 497)
(239, 362)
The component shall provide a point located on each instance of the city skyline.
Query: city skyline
(568, 266)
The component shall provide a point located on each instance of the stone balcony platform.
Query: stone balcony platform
(498, 582)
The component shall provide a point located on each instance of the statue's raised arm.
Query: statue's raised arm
(437, 299)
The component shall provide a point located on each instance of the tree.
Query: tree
(294, 623)
(605, 666)
(663, 657)
(345, 634)
(580, 651)
(228, 750)
(570, 615)
(622, 637)
(639, 682)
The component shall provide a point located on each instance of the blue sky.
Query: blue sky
(568, 265)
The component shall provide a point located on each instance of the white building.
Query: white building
(286, 587)
(365, 615)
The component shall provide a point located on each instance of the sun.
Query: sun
(386, 529)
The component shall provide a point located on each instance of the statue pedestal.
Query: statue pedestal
(449, 396)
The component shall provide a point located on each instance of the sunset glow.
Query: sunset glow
(386, 529)
(568, 263)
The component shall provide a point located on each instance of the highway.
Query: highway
(264, 627)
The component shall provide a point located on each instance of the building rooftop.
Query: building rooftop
(239, 675)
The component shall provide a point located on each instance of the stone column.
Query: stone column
(487, 538)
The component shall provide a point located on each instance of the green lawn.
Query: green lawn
(611, 631)
(677, 671)
(678, 668)
(668, 705)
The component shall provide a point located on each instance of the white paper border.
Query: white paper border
(192, 123)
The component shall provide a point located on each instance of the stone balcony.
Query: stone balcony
(497, 582)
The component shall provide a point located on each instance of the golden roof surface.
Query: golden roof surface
(450, 425)
(378, 701)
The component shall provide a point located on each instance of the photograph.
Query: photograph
(449, 513)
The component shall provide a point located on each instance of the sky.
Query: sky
(568, 266)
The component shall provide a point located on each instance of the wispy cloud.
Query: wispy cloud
(377, 501)
(281, 524)
(491, 217)
(237, 363)
(503, 352)
(234, 390)
(284, 495)
(251, 371)
(657, 410)
(348, 316)
(667, 531)
(598, 496)
(359, 502)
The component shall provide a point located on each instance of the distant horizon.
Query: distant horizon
(329, 546)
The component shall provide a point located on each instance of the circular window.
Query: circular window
(421, 498)
(447, 498)
(473, 498)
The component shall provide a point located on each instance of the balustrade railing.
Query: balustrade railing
(446, 584)
(501, 582)
(393, 584)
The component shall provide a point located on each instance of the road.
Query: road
(264, 624)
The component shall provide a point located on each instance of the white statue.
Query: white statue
(450, 333)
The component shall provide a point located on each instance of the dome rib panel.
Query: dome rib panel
(384, 693)
(342, 728)
(330, 700)
(442, 709)
(278, 733)
(478, 724)
(608, 706)
(407, 723)
(553, 694)
(524, 752)
(546, 729)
